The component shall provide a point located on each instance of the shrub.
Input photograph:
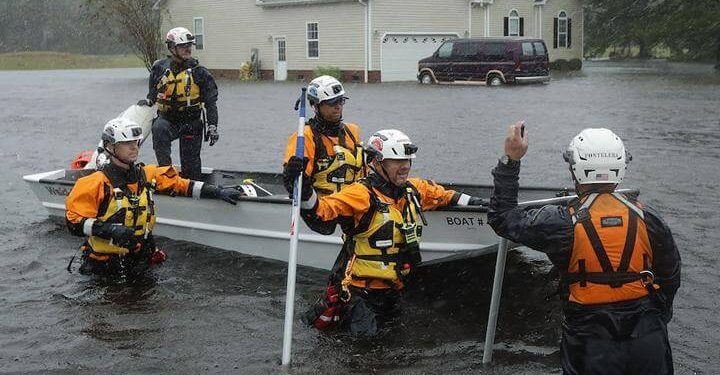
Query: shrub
(247, 71)
(565, 65)
(329, 71)
(575, 64)
(559, 64)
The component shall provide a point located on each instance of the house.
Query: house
(369, 40)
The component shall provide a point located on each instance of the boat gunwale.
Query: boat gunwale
(285, 200)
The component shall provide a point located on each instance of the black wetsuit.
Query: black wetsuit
(186, 125)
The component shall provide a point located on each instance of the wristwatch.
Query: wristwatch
(505, 160)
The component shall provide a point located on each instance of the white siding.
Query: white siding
(233, 27)
(420, 16)
(478, 22)
(573, 9)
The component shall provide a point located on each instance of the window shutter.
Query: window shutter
(555, 32)
(569, 29)
(522, 26)
(505, 27)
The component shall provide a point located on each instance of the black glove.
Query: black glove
(291, 171)
(212, 134)
(477, 201)
(230, 195)
(121, 235)
(144, 102)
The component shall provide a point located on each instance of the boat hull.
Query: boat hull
(260, 226)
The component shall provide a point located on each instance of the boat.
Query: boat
(260, 225)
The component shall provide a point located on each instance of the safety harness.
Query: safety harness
(344, 171)
(615, 278)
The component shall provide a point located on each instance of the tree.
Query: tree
(693, 29)
(51, 25)
(690, 29)
(624, 24)
(132, 22)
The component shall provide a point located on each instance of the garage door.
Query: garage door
(400, 54)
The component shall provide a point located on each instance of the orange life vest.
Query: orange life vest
(611, 256)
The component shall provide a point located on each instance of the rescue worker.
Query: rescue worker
(333, 151)
(381, 217)
(115, 210)
(619, 266)
(186, 95)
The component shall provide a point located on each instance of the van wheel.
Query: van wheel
(494, 80)
(426, 79)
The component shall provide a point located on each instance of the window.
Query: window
(493, 51)
(281, 49)
(562, 30)
(445, 50)
(514, 23)
(313, 40)
(527, 49)
(539, 49)
(465, 49)
(199, 24)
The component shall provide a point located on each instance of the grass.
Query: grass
(60, 60)
(659, 52)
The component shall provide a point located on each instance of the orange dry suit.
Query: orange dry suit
(333, 162)
(111, 197)
(378, 227)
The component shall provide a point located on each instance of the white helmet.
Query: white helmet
(179, 35)
(389, 144)
(121, 130)
(324, 88)
(597, 156)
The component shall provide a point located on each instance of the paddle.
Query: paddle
(292, 258)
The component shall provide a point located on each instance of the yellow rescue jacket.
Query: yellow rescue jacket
(178, 92)
(379, 244)
(611, 256)
(354, 208)
(95, 197)
(131, 210)
(334, 162)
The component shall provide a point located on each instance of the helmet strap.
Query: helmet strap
(175, 56)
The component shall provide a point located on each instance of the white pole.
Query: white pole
(292, 258)
(495, 300)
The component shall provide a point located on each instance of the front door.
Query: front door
(280, 60)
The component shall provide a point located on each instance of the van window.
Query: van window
(527, 49)
(493, 51)
(465, 49)
(540, 49)
(446, 49)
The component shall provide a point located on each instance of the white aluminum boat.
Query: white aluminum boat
(260, 225)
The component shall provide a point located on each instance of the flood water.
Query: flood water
(212, 311)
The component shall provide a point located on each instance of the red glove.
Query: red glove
(158, 257)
